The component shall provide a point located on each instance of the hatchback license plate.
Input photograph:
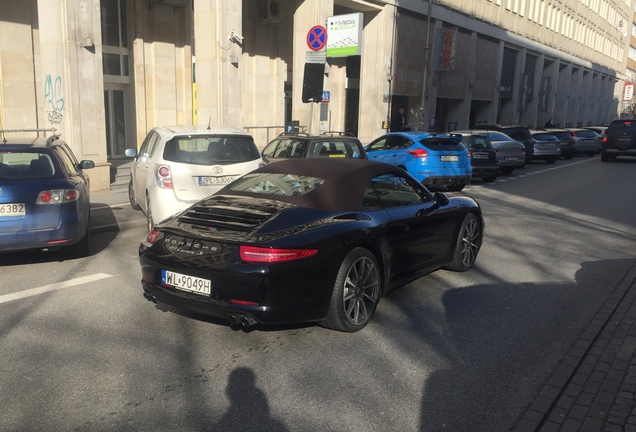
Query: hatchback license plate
(204, 181)
(12, 209)
(450, 158)
(186, 283)
(480, 156)
(510, 158)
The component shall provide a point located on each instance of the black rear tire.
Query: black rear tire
(356, 292)
(489, 179)
(131, 196)
(467, 246)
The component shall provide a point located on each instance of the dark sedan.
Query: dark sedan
(308, 240)
(483, 157)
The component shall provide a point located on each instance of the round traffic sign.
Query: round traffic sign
(317, 38)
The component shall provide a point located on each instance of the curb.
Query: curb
(594, 387)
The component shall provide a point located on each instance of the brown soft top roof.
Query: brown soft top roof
(345, 181)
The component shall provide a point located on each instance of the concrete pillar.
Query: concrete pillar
(517, 87)
(494, 107)
(377, 47)
(219, 62)
(533, 106)
(308, 14)
(70, 68)
(464, 112)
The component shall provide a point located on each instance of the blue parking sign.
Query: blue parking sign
(326, 95)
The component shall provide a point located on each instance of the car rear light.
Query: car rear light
(604, 138)
(153, 236)
(468, 153)
(243, 302)
(270, 255)
(58, 196)
(418, 153)
(573, 133)
(164, 176)
(627, 123)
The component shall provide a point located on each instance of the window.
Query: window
(210, 150)
(69, 162)
(397, 191)
(276, 184)
(114, 38)
(380, 144)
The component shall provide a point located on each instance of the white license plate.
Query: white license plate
(510, 158)
(186, 283)
(204, 181)
(480, 156)
(450, 158)
(547, 145)
(12, 209)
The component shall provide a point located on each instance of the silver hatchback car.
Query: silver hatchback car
(547, 146)
(177, 166)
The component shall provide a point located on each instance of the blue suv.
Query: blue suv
(436, 160)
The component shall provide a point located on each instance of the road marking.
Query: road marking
(515, 176)
(53, 287)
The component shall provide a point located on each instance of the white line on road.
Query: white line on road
(53, 287)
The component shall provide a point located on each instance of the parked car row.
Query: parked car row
(275, 237)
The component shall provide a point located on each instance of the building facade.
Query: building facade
(103, 72)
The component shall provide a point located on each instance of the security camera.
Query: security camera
(236, 37)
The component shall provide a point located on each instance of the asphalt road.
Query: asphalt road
(82, 350)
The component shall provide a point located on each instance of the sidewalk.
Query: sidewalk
(594, 388)
(111, 211)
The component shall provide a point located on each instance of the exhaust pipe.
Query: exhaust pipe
(240, 319)
(233, 319)
(150, 297)
(247, 321)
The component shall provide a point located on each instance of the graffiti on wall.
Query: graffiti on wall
(53, 96)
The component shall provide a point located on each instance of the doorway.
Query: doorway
(115, 112)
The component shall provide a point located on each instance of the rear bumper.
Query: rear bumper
(64, 235)
(617, 152)
(485, 170)
(447, 180)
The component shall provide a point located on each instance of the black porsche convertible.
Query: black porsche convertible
(308, 240)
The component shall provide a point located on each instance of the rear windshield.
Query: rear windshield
(210, 150)
(622, 127)
(562, 135)
(494, 136)
(476, 141)
(441, 143)
(544, 137)
(26, 165)
(585, 133)
(276, 184)
(335, 149)
(520, 134)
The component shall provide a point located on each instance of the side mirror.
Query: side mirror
(440, 199)
(131, 153)
(87, 164)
